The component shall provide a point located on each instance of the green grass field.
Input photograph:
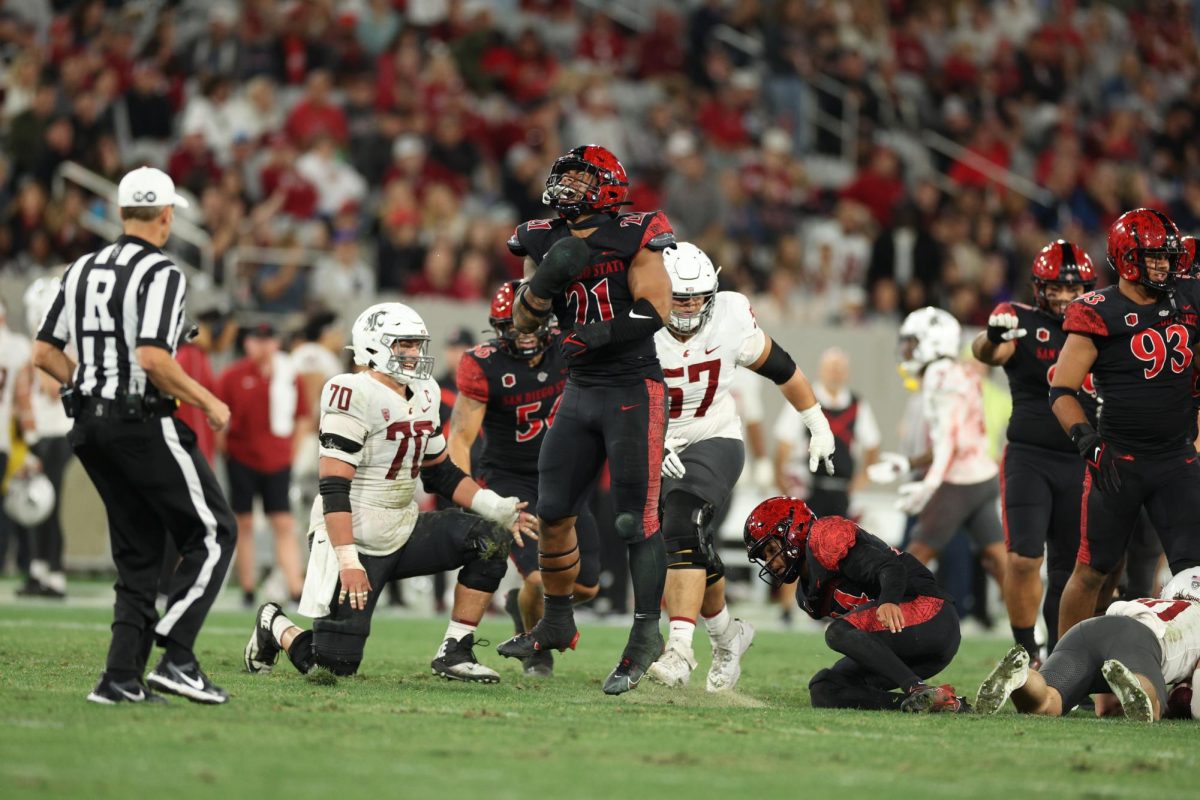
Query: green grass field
(395, 731)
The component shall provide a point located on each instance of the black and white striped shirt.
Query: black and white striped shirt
(111, 302)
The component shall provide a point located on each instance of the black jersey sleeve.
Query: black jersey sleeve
(533, 238)
(868, 565)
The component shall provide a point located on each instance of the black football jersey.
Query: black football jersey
(1143, 369)
(521, 402)
(602, 290)
(1030, 370)
(844, 563)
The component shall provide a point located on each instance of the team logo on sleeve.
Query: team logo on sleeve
(508, 380)
(1131, 320)
(541, 376)
(1043, 335)
(387, 415)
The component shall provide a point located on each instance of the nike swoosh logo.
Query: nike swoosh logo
(130, 696)
(626, 408)
(635, 315)
(195, 683)
(709, 350)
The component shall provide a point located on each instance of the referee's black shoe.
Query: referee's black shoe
(186, 680)
(109, 692)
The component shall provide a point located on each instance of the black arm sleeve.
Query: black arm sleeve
(867, 565)
(335, 494)
(641, 322)
(442, 478)
(778, 366)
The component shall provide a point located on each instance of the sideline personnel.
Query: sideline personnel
(123, 308)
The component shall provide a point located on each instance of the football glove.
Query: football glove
(565, 259)
(1003, 328)
(1099, 457)
(820, 443)
(672, 466)
(503, 511)
(889, 468)
(914, 496)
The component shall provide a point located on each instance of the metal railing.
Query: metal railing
(989, 169)
(108, 227)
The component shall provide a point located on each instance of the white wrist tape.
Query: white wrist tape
(347, 556)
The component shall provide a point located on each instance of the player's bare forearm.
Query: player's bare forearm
(990, 353)
(168, 376)
(338, 523)
(465, 422)
(755, 439)
(53, 361)
(1074, 362)
(648, 280)
(798, 391)
(922, 461)
(783, 451)
(527, 321)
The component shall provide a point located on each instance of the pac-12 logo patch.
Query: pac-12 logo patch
(508, 380)
(1043, 335)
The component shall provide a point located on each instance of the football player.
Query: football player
(1041, 479)
(960, 487)
(600, 271)
(892, 623)
(709, 335)
(509, 388)
(1137, 649)
(379, 431)
(1138, 339)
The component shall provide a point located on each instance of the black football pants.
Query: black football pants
(156, 483)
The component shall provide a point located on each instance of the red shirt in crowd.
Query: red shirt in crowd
(249, 440)
(195, 363)
(309, 120)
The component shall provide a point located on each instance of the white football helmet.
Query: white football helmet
(376, 331)
(1184, 586)
(692, 275)
(30, 499)
(37, 299)
(926, 335)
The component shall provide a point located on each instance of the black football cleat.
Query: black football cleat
(543, 638)
(262, 650)
(924, 699)
(109, 692)
(643, 648)
(186, 680)
(455, 661)
(539, 665)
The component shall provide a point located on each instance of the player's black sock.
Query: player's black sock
(1025, 638)
(558, 608)
(871, 653)
(648, 570)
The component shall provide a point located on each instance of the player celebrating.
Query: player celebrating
(1137, 339)
(1041, 478)
(709, 335)
(1136, 650)
(959, 489)
(891, 621)
(379, 430)
(601, 273)
(510, 388)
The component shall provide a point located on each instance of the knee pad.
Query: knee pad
(716, 569)
(483, 574)
(837, 632)
(301, 652)
(684, 523)
(629, 527)
(340, 653)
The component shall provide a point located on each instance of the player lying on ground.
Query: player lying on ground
(509, 388)
(1134, 652)
(709, 335)
(891, 620)
(379, 430)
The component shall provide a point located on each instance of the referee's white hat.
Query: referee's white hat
(147, 186)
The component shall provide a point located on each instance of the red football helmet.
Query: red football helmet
(501, 320)
(785, 521)
(1064, 263)
(608, 189)
(1188, 265)
(1140, 233)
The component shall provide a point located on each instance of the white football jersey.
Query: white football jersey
(396, 435)
(14, 357)
(952, 401)
(1176, 623)
(699, 372)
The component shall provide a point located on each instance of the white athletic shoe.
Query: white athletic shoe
(726, 666)
(455, 661)
(1008, 676)
(674, 667)
(1129, 690)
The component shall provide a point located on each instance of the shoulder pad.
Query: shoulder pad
(1083, 315)
(531, 238)
(830, 539)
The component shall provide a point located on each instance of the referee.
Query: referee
(123, 309)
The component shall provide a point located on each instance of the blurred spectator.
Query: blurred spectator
(316, 115)
(217, 52)
(377, 26)
(337, 183)
(691, 205)
(268, 413)
(441, 277)
(342, 278)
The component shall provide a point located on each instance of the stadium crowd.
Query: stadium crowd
(393, 145)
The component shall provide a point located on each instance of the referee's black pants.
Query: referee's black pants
(155, 482)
